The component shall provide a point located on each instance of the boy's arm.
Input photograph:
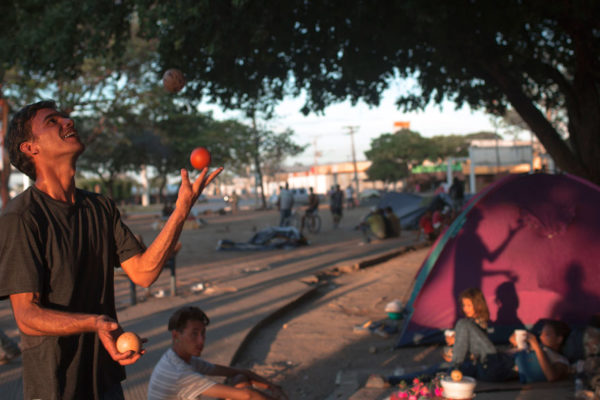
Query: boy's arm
(220, 391)
(253, 378)
(552, 371)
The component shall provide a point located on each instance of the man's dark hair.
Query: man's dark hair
(179, 319)
(19, 131)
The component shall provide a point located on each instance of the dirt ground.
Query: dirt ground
(316, 351)
(313, 351)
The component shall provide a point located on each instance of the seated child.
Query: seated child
(472, 350)
(182, 374)
(543, 360)
(590, 369)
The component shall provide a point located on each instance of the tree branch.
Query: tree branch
(562, 154)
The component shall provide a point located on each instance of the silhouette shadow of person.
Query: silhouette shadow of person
(577, 304)
(471, 250)
(507, 300)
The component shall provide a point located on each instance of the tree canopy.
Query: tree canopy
(394, 154)
(539, 57)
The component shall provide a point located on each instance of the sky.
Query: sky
(329, 132)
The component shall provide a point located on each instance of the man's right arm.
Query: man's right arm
(35, 320)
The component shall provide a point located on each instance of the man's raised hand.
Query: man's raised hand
(188, 192)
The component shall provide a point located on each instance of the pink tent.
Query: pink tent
(530, 242)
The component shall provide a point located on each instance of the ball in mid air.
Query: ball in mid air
(129, 341)
(173, 80)
(200, 158)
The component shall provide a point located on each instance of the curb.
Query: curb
(313, 291)
(252, 333)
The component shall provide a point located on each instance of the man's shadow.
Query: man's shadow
(577, 304)
(470, 251)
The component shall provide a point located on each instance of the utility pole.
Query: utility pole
(351, 130)
(317, 153)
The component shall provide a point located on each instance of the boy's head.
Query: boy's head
(188, 331)
(180, 318)
(554, 333)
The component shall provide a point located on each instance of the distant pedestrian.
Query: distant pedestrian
(350, 197)
(234, 199)
(336, 205)
(457, 193)
(286, 202)
(311, 209)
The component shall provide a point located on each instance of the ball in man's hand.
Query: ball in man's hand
(200, 158)
(173, 80)
(129, 341)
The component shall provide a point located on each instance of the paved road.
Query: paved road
(244, 287)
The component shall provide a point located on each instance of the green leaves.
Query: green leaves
(393, 155)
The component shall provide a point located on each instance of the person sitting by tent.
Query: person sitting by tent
(591, 353)
(544, 362)
(437, 220)
(472, 350)
(373, 225)
(392, 223)
(426, 227)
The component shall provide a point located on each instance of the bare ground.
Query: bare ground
(316, 353)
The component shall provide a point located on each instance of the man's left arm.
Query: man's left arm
(144, 268)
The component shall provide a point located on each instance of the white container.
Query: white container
(521, 338)
(463, 389)
(395, 306)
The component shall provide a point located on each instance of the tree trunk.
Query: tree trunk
(161, 189)
(569, 159)
(257, 165)
(109, 187)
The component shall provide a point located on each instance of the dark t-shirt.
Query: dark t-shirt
(66, 253)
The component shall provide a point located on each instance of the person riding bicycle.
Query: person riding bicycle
(313, 205)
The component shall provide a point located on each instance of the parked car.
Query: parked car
(300, 197)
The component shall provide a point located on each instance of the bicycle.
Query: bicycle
(312, 221)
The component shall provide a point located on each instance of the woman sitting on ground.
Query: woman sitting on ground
(473, 352)
(544, 362)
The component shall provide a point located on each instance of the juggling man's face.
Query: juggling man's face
(54, 137)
